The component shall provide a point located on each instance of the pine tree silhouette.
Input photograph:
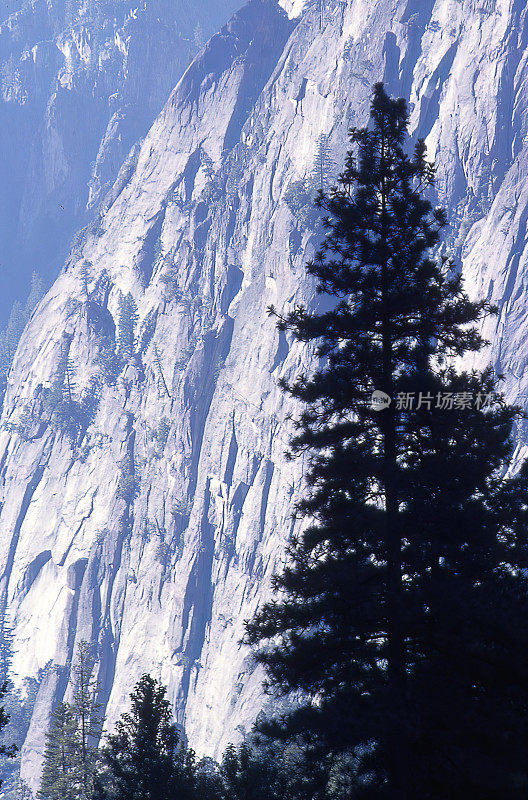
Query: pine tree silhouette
(145, 759)
(402, 619)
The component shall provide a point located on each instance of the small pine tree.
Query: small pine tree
(207, 165)
(84, 276)
(145, 759)
(86, 712)
(19, 705)
(90, 398)
(60, 777)
(161, 376)
(126, 327)
(323, 165)
(64, 381)
(212, 189)
(6, 649)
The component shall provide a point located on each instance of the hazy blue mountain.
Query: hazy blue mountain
(80, 82)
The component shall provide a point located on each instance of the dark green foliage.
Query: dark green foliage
(145, 759)
(71, 754)
(59, 779)
(126, 327)
(86, 712)
(262, 769)
(403, 614)
(90, 399)
(266, 773)
(208, 781)
(22, 792)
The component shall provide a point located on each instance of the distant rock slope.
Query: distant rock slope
(155, 529)
(80, 82)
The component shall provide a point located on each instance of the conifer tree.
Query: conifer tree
(84, 276)
(6, 648)
(59, 779)
(208, 165)
(265, 770)
(86, 712)
(402, 616)
(126, 327)
(208, 781)
(63, 382)
(145, 759)
(323, 164)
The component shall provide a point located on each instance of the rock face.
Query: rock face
(81, 81)
(149, 516)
